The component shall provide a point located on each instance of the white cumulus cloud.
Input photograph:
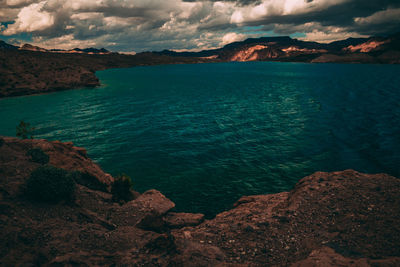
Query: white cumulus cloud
(232, 37)
(31, 18)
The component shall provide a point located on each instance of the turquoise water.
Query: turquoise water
(206, 134)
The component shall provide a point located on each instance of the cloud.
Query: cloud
(8, 14)
(232, 37)
(31, 18)
(330, 35)
(237, 2)
(141, 25)
(18, 3)
(380, 17)
(386, 21)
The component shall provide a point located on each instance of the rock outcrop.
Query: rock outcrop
(347, 211)
(30, 47)
(256, 52)
(329, 219)
(33, 70)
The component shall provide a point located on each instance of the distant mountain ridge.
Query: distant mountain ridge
(31, 69)
(32, 48)
(92, 50)
(29, 47)
(279, 48)
(5, 46)
(285, 48)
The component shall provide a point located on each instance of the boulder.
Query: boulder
(195, 254)
(182, 219)
(146, 211)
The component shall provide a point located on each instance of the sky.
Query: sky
(181, 25)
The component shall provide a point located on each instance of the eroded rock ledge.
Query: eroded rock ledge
(329, 219)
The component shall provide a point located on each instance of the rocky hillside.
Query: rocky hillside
(90, 50)
(329, 219)
(352, 50)
(32, 70)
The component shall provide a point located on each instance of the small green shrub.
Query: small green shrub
(37, 155)
(1, 142)
(50, 184)
(24, 130)
(88, 180)
(121, 188)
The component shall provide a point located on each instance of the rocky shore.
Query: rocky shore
(32, 70)
(341, 218)
(25, 72)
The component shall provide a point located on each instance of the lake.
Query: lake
(206, 134)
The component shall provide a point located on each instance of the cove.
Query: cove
(206, 134)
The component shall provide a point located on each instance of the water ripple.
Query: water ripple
(207, 134)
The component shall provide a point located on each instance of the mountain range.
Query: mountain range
(284, 48)
(31, 69)
(29, 47)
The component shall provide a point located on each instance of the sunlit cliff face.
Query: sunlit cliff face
(143, 25)
(364, 47)
(293, 49)
(248, 54)
(259, 52)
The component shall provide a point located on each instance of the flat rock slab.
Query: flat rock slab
(147, 208)
(182, 219)
(153, 200)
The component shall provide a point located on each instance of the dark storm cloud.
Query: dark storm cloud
(346, 18)
(342, 14)
(338, 15)
(190, 24)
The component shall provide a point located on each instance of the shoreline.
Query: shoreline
(88, 86)
(344, 217)
(31, 72)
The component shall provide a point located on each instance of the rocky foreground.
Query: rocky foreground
(329, 219)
